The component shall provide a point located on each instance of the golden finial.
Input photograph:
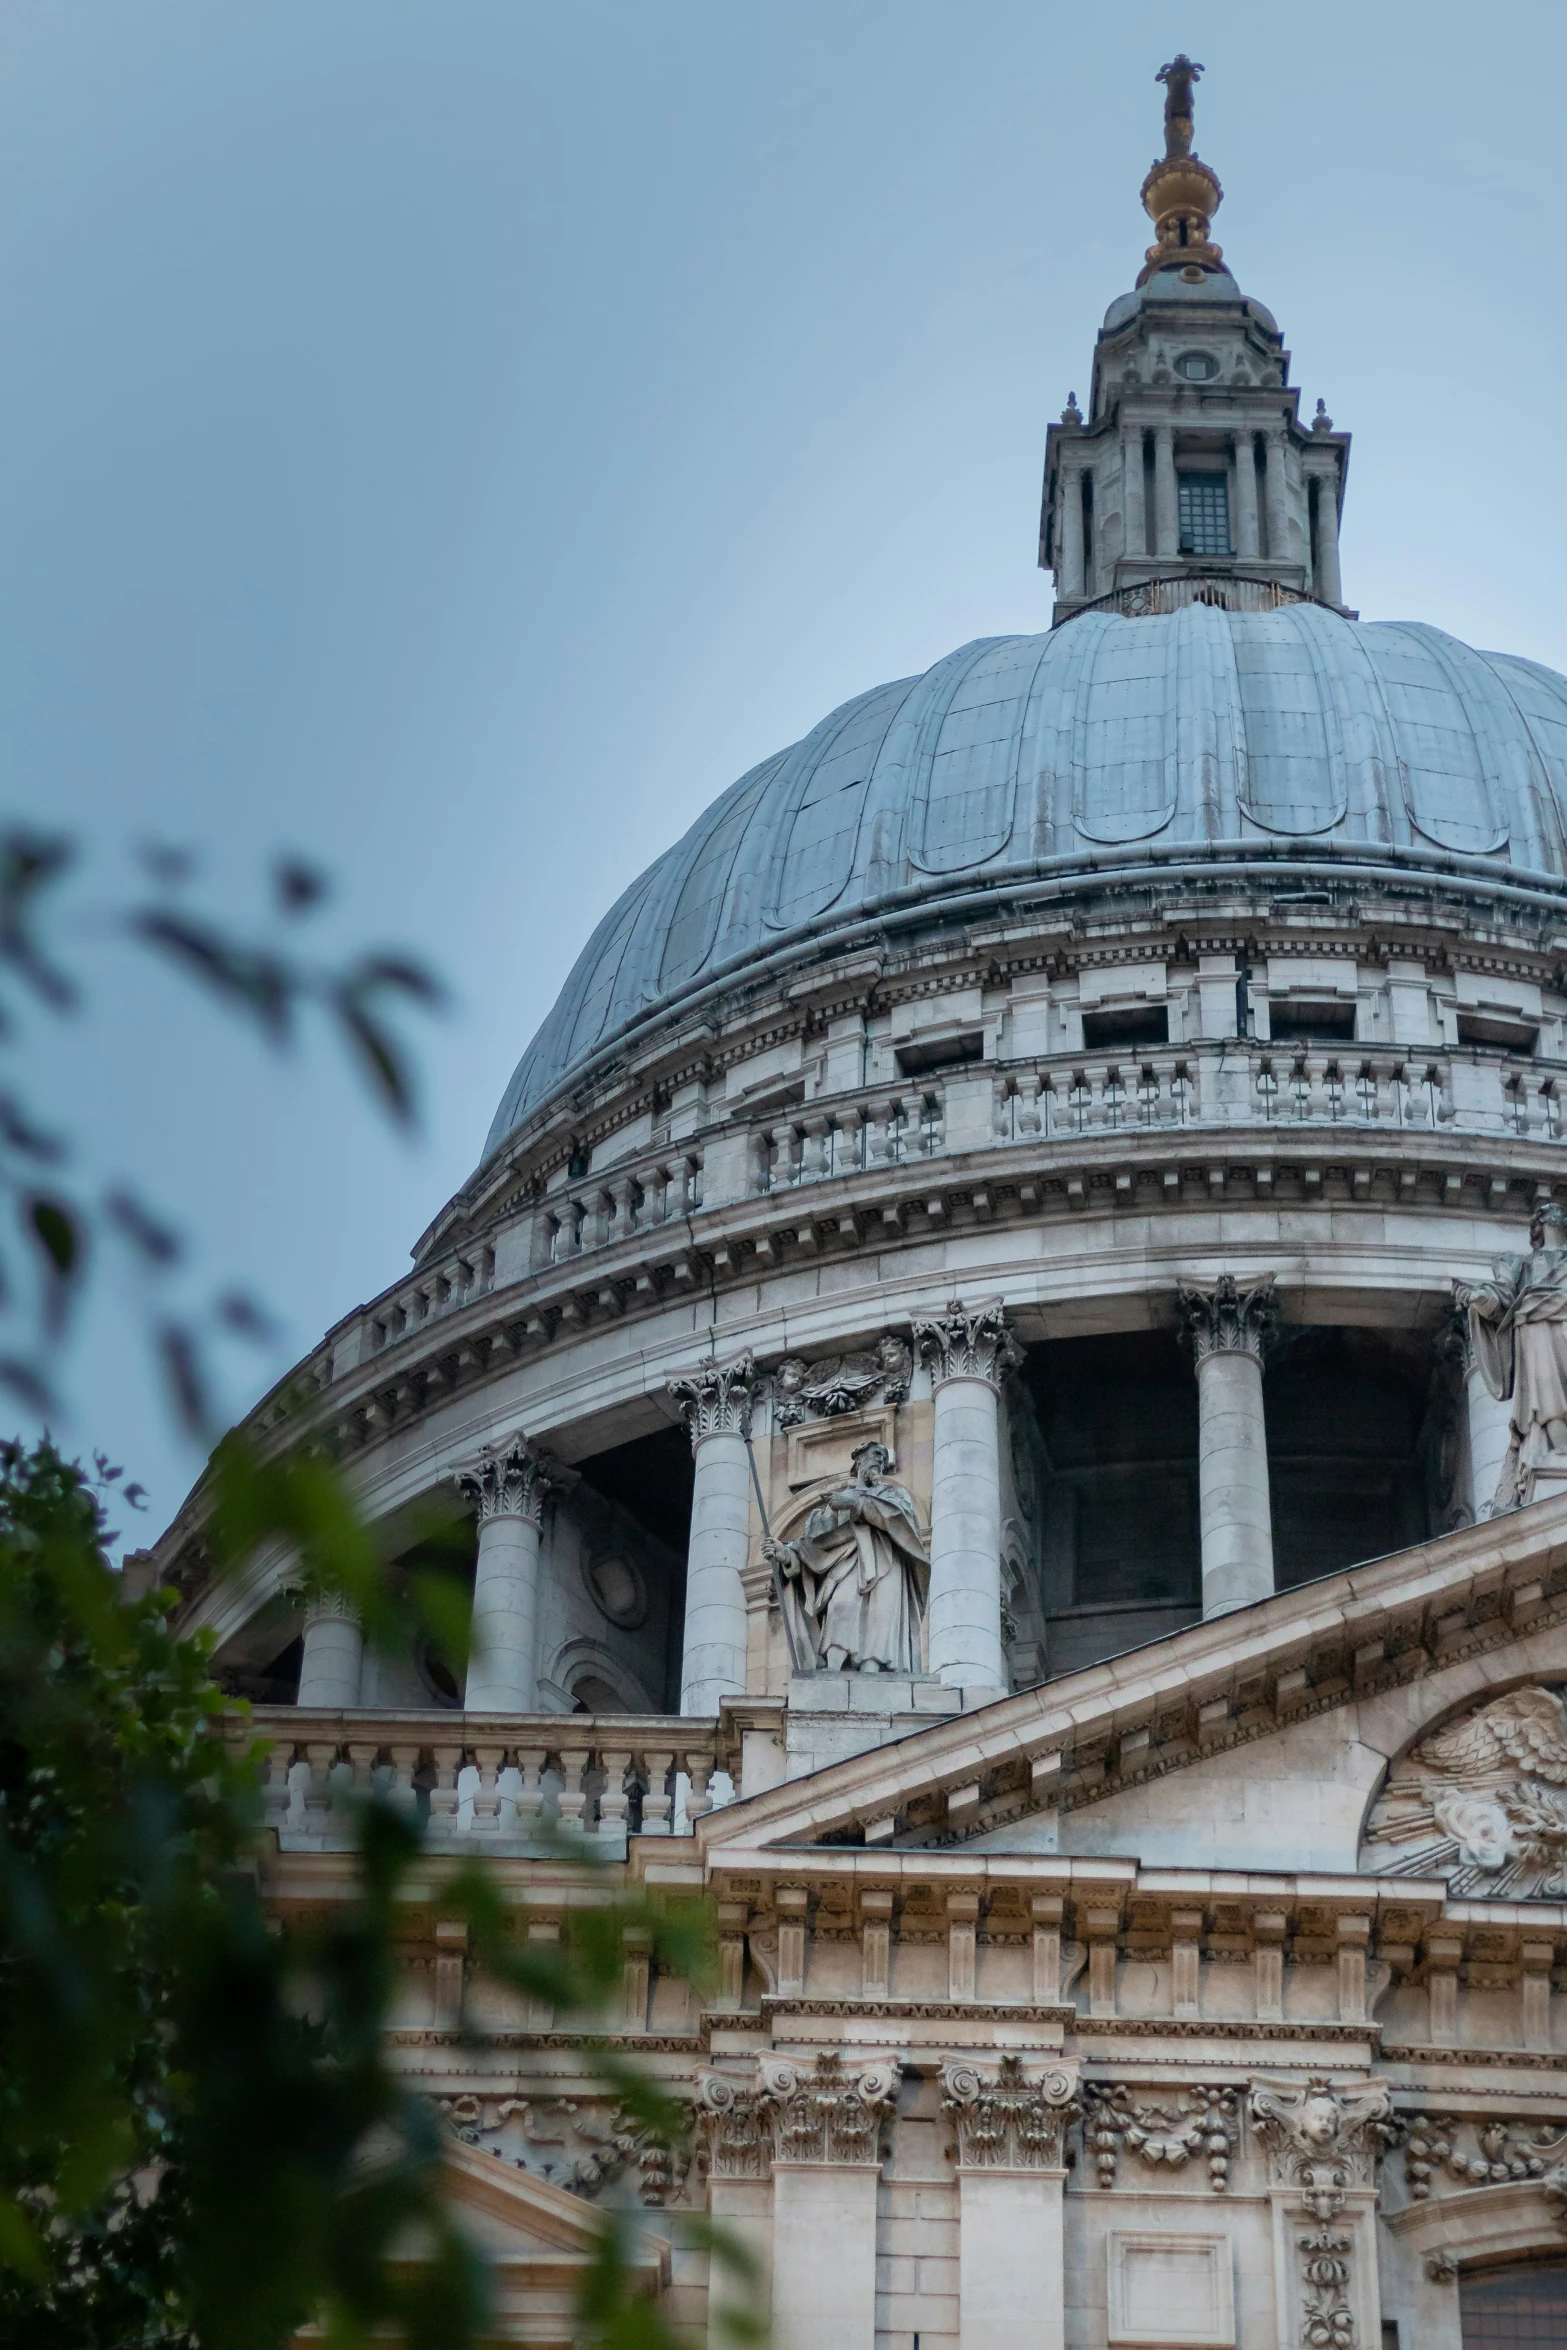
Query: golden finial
(1180, 194)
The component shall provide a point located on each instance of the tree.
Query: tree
(204, 2141)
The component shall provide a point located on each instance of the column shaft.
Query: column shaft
(1247, 543)
(1237, 1524)
(1490, 1432)
(1132, 501)
(1277, 494)
(1071, 495)
(503, 1667)
(1166, 515)
(1328, 585)
(965, 1537)
(824, 2256)
(712, 1663)
(334, 1651)
(1011, 2260)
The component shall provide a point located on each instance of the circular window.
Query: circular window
(618, 1591)
(1198, 367)
(439, 1680)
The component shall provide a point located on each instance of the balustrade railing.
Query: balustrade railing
(465, 1777)
(437, 1289)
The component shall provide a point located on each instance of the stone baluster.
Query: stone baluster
(297, 1780)
(614, 1803)
(1489, 1419)
(530, 1789)
(657, 1801)
(364, 1769)
(699, 1769)
(969, 1354)
(448, 1761)
(813, 1160)
(1029, 1120)
(274, 1787)
(655, 1205)
(1228, 1329)
(487, 1798)
(321, 1755)
(1167, 528)
(1247, 543)
(715, 1402)
(334, 1652)
(622, 1195)
(507, 1485)
(572, 1800)
(403, 1783)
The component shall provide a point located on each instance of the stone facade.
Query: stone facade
(1169, 1950)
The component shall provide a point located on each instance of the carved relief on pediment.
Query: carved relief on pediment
(841, 1383)
(1481, 1802)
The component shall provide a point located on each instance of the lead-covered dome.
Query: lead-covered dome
(1023, 762)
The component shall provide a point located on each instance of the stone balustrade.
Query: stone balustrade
(439, 1288)
(508, 1779)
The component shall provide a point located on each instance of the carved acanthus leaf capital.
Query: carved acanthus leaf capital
(509, 1479)
(715, 1399)
(1225, 1319)
(1322, 2137)
(963, 1345)
(1005, 2121)
(828, 2111)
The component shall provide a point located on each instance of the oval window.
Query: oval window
(1197, 366)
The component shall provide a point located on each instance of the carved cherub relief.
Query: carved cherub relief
(1483, 1802)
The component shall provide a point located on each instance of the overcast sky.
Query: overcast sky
(457, 439)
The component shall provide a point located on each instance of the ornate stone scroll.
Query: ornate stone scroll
(1192, 2124)
(715, 1399)
(840, 1383)
(822, 2111)
(827, 2111)
(1226, 1319)
(509, 1479)
(1482, 1802)
(1005, 2121)
(963, 1345)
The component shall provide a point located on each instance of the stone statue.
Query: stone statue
(1518, 1330)
(855, 1582)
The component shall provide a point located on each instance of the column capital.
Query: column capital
(1225, 1319)
(1004, 2120)
(829, 2111)
(715, 1399)
(963, 1345)
(331, 1607)
(509, 1479)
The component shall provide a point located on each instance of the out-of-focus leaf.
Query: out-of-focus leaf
(251, 978)
(299, 885)
(19, 1134)
(29, 863)
(182, 1369)
(54, 1227)
(156, 1242)
(246, 1318)
(379, 1055)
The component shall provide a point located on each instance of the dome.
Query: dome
(1021, 764)
(1202, 290)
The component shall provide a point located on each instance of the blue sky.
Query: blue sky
(457, 439)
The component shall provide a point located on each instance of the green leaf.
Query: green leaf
(54, 1227)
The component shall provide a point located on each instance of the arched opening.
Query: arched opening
(633, 1554)
(1348, 1422)
(1520, 2307)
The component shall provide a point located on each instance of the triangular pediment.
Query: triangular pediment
(1409, 1636)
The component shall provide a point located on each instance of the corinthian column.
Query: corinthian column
(507, 1485)
(1011, 2214)
(968, 1356)
(334, 1649)
(1228, 1330)
(715, 1402)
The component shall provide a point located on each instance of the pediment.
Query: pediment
(1402, 1639)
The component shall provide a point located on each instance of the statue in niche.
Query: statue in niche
(1518, 1329)
(855, 1582)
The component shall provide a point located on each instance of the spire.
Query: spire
(1180, 194)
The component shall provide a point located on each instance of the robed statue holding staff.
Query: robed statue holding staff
(1518, 1329)
(855, 1582)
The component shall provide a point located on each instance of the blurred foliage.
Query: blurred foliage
(203, 2141)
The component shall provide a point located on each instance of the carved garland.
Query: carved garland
(1198, 2122)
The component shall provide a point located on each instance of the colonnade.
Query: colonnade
(1281, 503)
(1227, 1328)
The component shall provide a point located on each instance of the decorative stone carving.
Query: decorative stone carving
(1227, 1319)
(1486, 2154)
(715, 1399)
(1005, 2121)
(1483, 1802)
(1518, 1329)
(732, 2128)
(855, 1584)
(1321, 2140)
(824, 2111)
(840, 1383)
(827, 2111)
(1168, 2132)
(509, 1479)
(963, 1345)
